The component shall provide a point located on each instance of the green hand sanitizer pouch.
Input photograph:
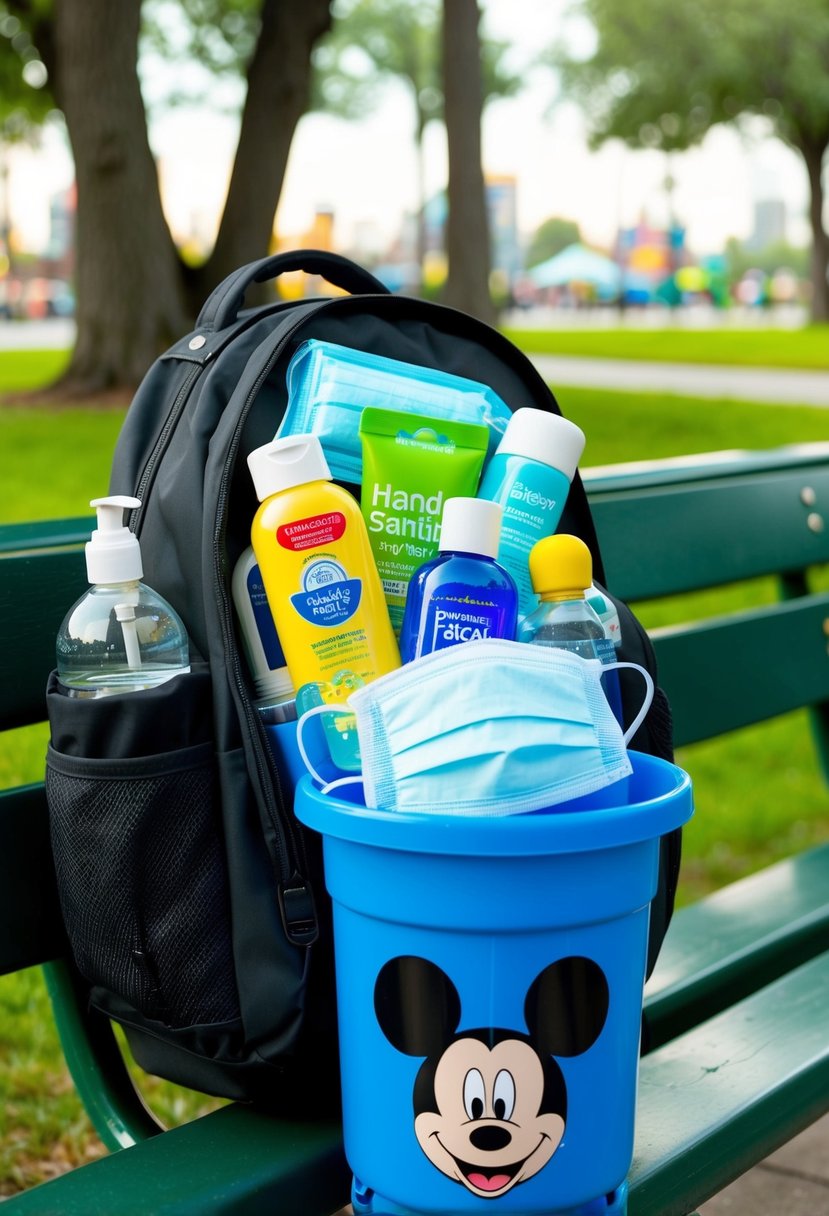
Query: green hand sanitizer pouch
(411, 464)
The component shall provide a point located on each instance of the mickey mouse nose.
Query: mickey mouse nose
(489, 1137)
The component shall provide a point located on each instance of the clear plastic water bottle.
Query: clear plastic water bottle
(120, 636)
(561, 569)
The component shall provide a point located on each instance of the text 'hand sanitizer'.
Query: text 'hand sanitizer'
(121, 636)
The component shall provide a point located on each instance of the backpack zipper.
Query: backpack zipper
(296, 898)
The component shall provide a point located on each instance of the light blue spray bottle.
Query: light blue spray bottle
(530, 476)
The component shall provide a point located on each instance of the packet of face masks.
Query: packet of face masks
(411, 465)
(330, 385)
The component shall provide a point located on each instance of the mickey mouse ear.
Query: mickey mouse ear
(417, 1005)
(566, 1006)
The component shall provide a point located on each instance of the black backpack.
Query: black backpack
(194, 901)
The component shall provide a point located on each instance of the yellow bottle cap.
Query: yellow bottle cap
(561, 567)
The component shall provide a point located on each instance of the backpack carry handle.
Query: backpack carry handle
(222, 306)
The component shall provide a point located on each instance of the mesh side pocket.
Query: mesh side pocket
(141, 874)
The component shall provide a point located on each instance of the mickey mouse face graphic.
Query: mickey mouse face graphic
(490, 1104)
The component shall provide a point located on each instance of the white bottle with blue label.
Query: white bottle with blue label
(263, 650)
(530, 476)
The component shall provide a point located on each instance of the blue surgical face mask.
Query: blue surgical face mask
(329, 386)
(489, 728)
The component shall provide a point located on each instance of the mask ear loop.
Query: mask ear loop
(646, 704)
(326, 786)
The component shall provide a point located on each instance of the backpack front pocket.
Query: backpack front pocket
(139, 856)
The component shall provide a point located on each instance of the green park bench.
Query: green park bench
(738, 1053)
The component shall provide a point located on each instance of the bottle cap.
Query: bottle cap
(471, 525)
(561, 567)
(543, 437)
(285, 463)
(113, 554)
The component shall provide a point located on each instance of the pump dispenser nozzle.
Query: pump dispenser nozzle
(113, 554)
(120, 636)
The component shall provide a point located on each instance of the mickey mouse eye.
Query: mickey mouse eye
(503, 1095)
(474, 1094)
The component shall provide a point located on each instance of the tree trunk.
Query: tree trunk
(128, 280)
(814, 157)
(279, 84)
(467, 233)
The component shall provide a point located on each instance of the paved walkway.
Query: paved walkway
(775, 385)
(794, 1181)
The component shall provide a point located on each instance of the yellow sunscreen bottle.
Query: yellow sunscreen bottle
(321, 583)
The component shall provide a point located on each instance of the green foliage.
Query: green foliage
(771, 258)
(662, 74)
(219, 34)
(26, 98)
(371, 43)
(550, 238)
(374, 41)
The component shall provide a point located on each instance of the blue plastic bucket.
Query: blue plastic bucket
(489, 979)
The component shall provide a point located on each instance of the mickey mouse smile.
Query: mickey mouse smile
(493, 1178)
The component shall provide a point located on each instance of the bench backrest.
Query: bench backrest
(679, 526)
(664, 529)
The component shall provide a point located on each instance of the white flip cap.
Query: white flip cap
(471, 525)
(547, 438)
(285, 463)
(113, 554)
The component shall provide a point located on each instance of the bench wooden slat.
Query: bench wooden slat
(650, 551)
(737, 939)
(726, 673)
(234, 1160)
(36, 591)
(32, 928)
(45, 534)
(726, 1094)
(635, 475)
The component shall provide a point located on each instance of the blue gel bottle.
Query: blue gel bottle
(462, 594)
(530, 476)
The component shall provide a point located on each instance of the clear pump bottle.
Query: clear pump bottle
(120, 636)
(561, 569)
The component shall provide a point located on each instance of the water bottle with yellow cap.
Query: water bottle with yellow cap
(561, 569)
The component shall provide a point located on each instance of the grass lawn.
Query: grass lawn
(804, 348)
(769, 769)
